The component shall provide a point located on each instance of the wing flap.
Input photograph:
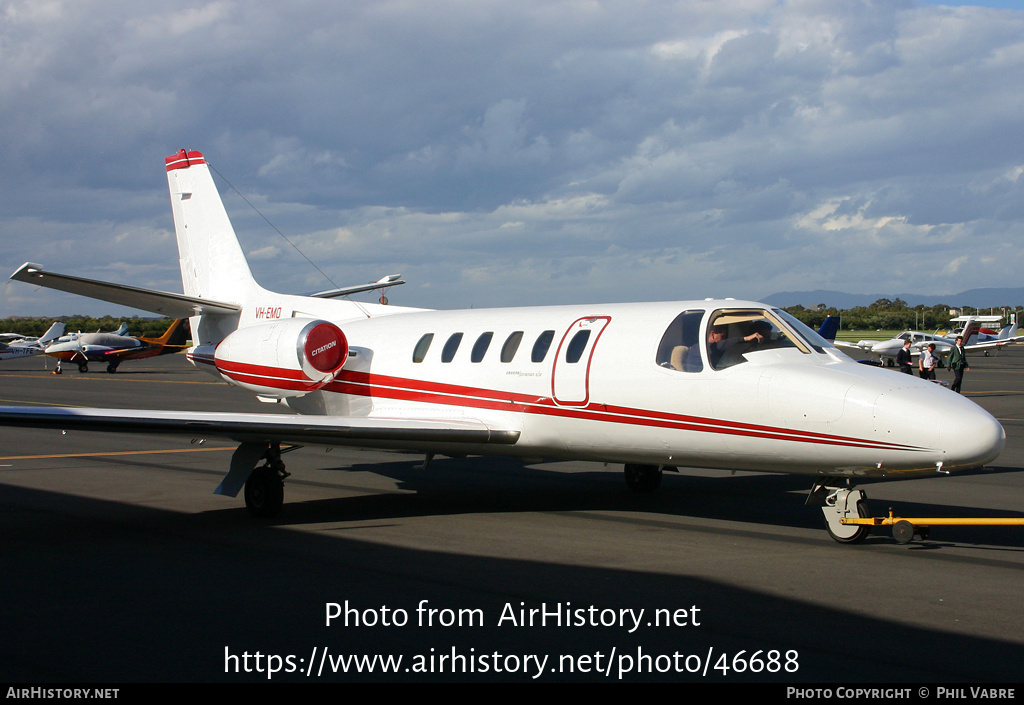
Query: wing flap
(264, 428)
(163, 302)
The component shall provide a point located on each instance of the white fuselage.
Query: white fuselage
(92, 346)
(15, 351)
(811, 411)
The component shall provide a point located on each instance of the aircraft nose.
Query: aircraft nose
(945, 426)
(972, 436)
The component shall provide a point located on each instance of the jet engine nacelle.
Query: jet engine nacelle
(286, 358)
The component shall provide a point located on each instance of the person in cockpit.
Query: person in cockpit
(719, 345)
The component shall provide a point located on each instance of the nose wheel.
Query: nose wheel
(843, 503)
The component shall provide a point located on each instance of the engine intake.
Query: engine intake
(285, 358)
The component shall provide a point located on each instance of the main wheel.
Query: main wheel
(851, 533)
(83, 366)
(264, 492)
(642, 478)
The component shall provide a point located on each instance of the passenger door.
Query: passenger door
(570, 376)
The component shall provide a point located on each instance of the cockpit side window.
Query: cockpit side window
(734, 333)
(680, 345)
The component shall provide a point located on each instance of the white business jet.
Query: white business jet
(654, 386)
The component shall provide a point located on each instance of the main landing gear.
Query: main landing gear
(264, 490)
(643, 478)
(839, 501)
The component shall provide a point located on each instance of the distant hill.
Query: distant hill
(975, 298)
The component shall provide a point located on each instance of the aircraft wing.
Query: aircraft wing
(856, 350)
(399, 433)
(162, 302)
(989, 344)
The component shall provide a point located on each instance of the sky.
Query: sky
(516, 152)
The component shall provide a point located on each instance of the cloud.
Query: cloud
(529, 152)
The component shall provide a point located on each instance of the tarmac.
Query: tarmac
(119, 565)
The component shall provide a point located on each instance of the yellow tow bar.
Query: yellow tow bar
(904, 529)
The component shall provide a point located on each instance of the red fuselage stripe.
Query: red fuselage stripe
(427, 392)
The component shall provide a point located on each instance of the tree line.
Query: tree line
(887, 314)
(137, 325)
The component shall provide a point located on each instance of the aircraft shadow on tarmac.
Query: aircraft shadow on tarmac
(452, 486)
(153, 595)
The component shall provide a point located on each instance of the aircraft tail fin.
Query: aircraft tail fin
(174, 339)
(213, 265)
(1008, 331)
(53, 332)
(829, 328)
(175, 335)
(971, 329)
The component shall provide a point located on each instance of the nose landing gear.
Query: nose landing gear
(839, 502)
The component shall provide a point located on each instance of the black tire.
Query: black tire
(862, 531)
(111, 367)
(83, 366)
(642, 478)
(264, 492)
(903, 531)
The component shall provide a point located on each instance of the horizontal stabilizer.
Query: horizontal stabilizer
(382, 283)
(260, 428)
(162, 302)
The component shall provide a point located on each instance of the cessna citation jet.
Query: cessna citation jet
(654, 386)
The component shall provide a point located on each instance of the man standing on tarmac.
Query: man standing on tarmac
(958, 363)
(903, 358)
(928, 362)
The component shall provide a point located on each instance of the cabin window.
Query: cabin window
(480, 347)
(680, 345)
(420, 351)
(508, 350)
(540, 348)
(451, 346)
(574, 351)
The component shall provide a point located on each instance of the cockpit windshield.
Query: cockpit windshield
(809, 334)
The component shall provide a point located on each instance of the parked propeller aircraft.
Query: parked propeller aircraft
(985, 335)
(885, 350)
(654, 386)
(115, 348)
(15, 345)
